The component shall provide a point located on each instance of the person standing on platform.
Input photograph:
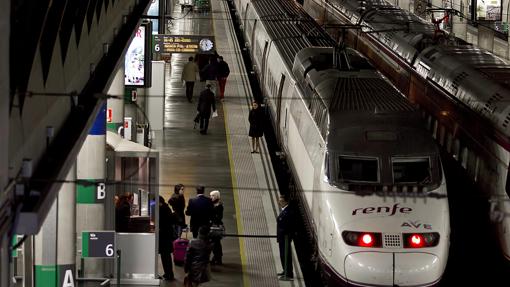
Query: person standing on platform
(196, 264)
(284, 234)
(206, 102)
(167, 236)
(210, 74)
(178, 204)
(200, 210)
(189, 75)
(217, 221)
(223, 72)
(122, 214)
(256, 119)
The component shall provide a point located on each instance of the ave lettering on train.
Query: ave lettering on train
(416, 224)
(383, 209)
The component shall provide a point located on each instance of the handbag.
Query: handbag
(187, 281)
(217, 232)
(196, 120)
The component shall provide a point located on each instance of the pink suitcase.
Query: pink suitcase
(180, 246)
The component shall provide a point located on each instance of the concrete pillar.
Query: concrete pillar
(485, 38)
(90, 196)
(54, 257)
(115, 109)
(459, 24)
(4, 128)
(155, 100)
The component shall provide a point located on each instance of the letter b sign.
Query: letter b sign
(100, 191)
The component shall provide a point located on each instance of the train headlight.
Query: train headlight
(420, 240)
(362, 239)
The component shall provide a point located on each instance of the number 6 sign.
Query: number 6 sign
(98, 244)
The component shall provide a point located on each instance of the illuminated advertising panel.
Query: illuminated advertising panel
(488, 10)
(137, 63)
(134, 61)
(167, 44)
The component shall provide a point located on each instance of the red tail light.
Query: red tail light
(420, 240)
(362, 239)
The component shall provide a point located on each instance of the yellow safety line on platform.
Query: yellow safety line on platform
(240, 228)
(235, 191)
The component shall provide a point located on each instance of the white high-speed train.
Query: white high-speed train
(369, 174)
(463, 91)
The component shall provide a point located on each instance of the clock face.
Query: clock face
(206, 44)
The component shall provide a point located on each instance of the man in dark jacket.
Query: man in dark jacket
(200, 210)
(167, 236)
(206, 102)
(210, 74)
(223, 72)
(178, 204)
(284, 234)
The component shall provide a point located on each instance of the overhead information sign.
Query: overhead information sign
(167, 44)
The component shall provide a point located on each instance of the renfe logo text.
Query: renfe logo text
(383, 209)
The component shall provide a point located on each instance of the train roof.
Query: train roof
(478, 59)
(291, 27)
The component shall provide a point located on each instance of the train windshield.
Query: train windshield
(411, 170)
(358, 169)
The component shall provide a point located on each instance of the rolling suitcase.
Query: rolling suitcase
(180, 246)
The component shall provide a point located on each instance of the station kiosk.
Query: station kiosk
(133, 178)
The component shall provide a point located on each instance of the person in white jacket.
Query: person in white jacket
(189, 75)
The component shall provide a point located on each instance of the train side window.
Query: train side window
(429, 122)
(477, 168)
(471, 163)
(449, 142)
(434, 131)
(464, 157)
(441, 135)
(286, 116)
(456, 149)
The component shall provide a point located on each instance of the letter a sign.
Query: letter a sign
(68, 279)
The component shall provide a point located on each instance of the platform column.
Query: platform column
(91, 191)
(459, 24)
(115, 109)
(485, 38)
(54, 256)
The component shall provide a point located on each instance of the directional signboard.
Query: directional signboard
(98, 244)
(167, 44)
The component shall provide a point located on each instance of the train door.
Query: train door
(264, 71)
(253, 44)
(279, 108)
(246, 16)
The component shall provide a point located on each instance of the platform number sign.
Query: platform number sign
(98, 244)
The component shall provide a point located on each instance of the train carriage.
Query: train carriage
(368, 173)
(462, 91)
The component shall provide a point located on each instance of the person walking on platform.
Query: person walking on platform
(189, 75)
(284, 234)
(223, 72)
(256, 119)
(206, 102)
(196, 264)
(217, 222)
(167, 236)
(200, 211)
(178, 203)
(210, 74)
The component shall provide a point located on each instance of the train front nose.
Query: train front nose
(390, 269)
